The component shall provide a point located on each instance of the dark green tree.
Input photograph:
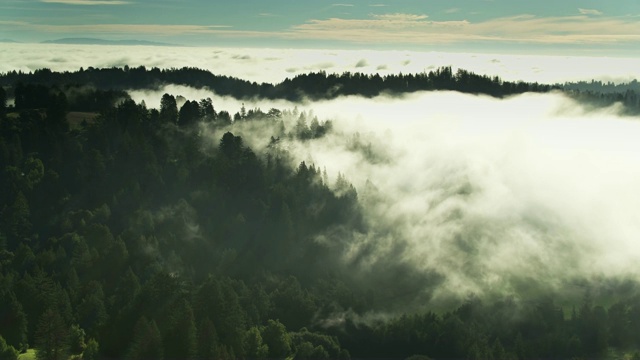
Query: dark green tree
(277, 339)
(3, 100)
(91, 311)
(180, 340)
(76, 339)
(208, 343)
(189, 113)
(254, 347)
(52, 336)
(7, 352)
(207, 113)
(91, 351)
(13, 320)
(168, 109)
(17, 220)
(57, 108)
(146, 342)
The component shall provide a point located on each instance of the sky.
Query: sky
(568, 27)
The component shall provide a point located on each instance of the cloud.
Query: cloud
(398, 17)
(589, 11)
(342, 5)
(14, 23)
(468, 194)
(101, 29)
(87, 2)
(461, 194)
(583, 30)
(416, 29)
(452, 10)
(274, 65)
(378, 5)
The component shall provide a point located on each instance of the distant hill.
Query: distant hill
(9, 41)
(320, 85)
(92, 41)
(603, 87)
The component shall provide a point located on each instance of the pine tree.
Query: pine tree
(17, 220)
(180, 341)
(147, 342)
(253, 344)
(92, 350)
(277, 339)
(7, 352)
(13, 320)
(51, 336)
(208, 344)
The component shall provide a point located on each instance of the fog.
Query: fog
(468, 194)
(152, 98)
(461, 194)
(274, 65)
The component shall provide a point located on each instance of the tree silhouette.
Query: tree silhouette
(168, 109)
(51, 336)
(146, 342)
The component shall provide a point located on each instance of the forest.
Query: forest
(129, 232)
(311, 86)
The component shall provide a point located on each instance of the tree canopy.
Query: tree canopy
(137, 236)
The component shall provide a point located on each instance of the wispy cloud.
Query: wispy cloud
(412, 28)
(342, 5)
(589, 11)
(155, 29)
(378, 5)
(394, 28)
(397, 17)
(87, 2)
(14, 23)
(452, 10)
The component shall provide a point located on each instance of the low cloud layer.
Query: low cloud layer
(274, 65)
(472, 195)
(462, 194)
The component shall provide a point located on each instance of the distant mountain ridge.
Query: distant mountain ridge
(94, 41)
(320, 85)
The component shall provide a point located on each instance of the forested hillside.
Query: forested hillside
(91, 87)
(318, 85)
(137, 234)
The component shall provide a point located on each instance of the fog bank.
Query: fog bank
(468, 195)
(274, 65)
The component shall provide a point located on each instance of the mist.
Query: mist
(274, 65)
(465, 194)
(469, 195)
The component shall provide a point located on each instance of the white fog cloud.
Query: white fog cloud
(274, 65)
(497, 196)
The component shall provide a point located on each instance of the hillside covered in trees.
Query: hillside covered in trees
(102, 85)
(135, 235)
